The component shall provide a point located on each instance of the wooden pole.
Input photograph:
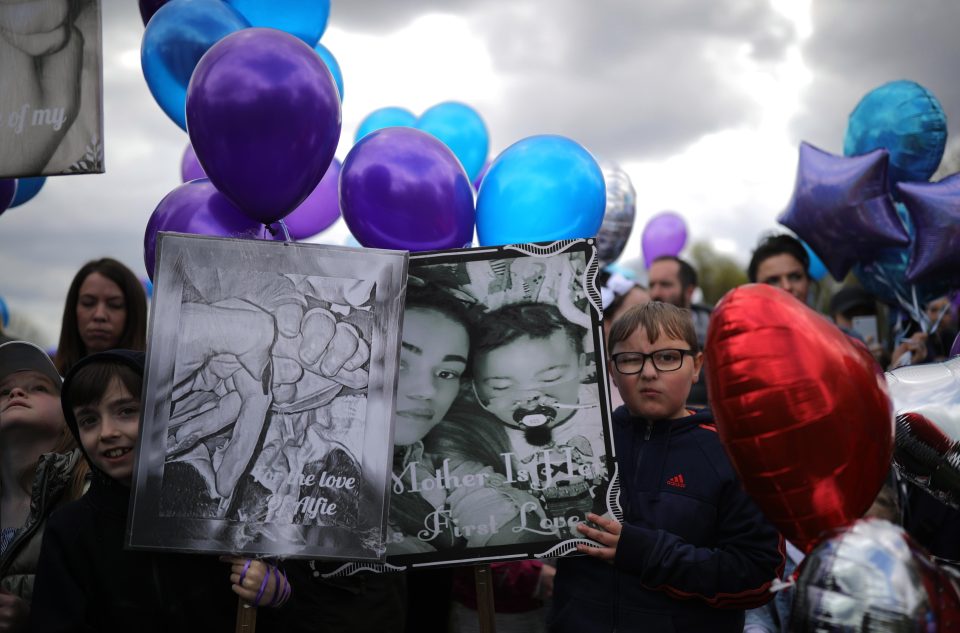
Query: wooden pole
(246, 617)
(485, 607)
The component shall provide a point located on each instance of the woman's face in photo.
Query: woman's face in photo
(433, 358)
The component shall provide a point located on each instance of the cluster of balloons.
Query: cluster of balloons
(401, 187)
(16, 191)
(262, 110)
(179, 32)
(459, 126)
(846, 207)
(263, 115)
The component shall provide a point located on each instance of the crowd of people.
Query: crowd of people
(692, 554)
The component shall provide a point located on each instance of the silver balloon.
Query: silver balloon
(619, 214)
(926, 399)
(872, 577)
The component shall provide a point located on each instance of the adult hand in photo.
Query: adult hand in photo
(608, 536)
(42, 55)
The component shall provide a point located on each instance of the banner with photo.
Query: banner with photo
(51, 88)
(502, 440)
(268, 400)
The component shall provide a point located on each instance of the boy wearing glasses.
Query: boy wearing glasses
(693, 551)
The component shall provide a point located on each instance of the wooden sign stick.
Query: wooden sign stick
(246, 617)
(485, 607)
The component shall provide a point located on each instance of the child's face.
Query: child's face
(653, 394)
(523, 381)
(109, 430)
(30, 398)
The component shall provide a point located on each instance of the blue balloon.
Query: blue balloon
(27, 188)
(147, 287)
(307, 19)
(8, 191)
(816, 270)
(904, 118)
(885, 276)
(462, 130)
(385, 117)
(541, 188)
(332, 66)
(4, 313)
(177, 36)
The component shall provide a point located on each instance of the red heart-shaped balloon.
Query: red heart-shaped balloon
(802, 410)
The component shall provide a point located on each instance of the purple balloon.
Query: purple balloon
(263, 114)
(842, 208)
(935, 211)
(190, 168)
(664, 234)
(319, 210)
(197, 207)
(402, 188)
(8, 191)
(148, 8)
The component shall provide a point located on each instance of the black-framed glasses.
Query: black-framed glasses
(663, 360)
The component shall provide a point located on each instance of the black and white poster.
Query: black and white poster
(502, 443)
(268, 399)
(51, 88)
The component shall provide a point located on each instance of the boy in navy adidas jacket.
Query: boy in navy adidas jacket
(693, 551)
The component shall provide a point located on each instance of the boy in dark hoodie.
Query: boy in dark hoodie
(86, 580)
(693, 550)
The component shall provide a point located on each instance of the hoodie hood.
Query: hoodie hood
(134, 360)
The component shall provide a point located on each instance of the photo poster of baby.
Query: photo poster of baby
(51, 88)
(502, 439)
(268, 399)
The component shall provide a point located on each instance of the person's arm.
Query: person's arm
(60, 600)
(736, 574)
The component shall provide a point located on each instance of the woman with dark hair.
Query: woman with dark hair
(781, 261)
(106, 308)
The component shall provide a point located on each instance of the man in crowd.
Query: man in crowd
(673, 281)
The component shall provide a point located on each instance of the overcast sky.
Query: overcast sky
(703, 102)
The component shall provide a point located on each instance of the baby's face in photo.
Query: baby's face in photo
(528, 374)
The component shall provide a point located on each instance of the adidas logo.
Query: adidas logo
(676, 481)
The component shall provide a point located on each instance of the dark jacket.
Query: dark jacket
(695, 551)
(19, 562)
(87, 581)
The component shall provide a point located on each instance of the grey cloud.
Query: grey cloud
(858, 45)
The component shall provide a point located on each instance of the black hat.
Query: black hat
(853, 299)
(134, 360)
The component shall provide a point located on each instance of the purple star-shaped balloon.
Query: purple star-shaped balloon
(841, 207)
(935, 211)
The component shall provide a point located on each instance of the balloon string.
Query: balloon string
(912, 309)
(286, 233)
(922, 321)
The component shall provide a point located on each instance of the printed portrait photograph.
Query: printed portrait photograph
(501, 439)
